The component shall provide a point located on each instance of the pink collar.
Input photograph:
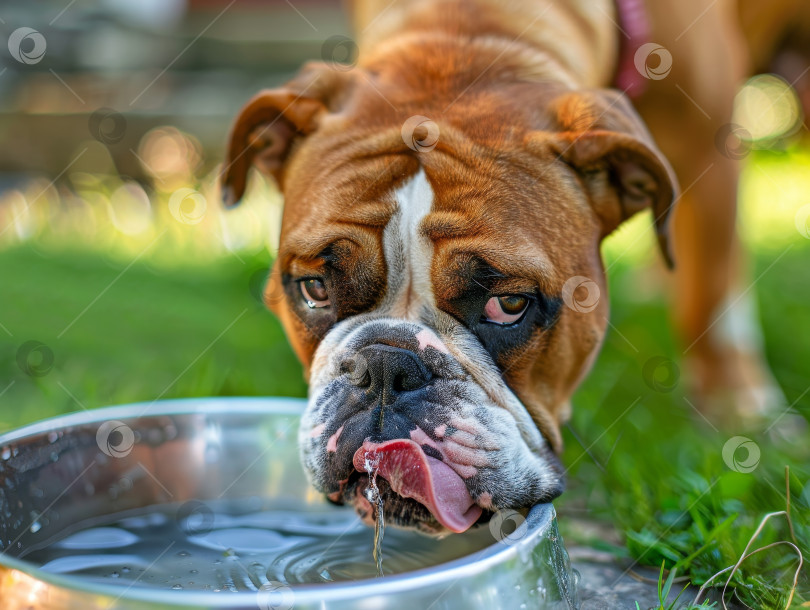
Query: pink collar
(634, 30)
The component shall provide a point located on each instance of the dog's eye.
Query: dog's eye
(314, 293)
(505, 310)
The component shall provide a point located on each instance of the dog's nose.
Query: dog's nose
(387, 371)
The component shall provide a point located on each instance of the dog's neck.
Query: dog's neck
(573, 42)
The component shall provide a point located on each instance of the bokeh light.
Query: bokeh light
(768, 108)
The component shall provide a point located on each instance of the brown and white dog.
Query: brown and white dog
(439, 198)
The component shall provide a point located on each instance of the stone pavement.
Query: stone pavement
(604, 585)
(607, 583)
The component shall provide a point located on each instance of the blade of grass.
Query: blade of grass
(711, 536)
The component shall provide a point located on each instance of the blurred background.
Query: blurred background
(115, 254)
(122, 279)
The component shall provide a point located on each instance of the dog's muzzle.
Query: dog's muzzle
(391, 402)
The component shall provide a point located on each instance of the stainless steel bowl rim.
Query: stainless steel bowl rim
(538, 520)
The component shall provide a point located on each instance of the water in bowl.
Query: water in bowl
(235, 547)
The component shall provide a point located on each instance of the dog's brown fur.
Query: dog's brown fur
(517, 87)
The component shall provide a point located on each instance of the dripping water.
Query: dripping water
(374, 496)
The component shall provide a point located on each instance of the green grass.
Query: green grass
(155, 332)
(658, 474)
(167, 326)
(665, 588)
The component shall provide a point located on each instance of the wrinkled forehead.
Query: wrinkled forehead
(329, 197)
(493, 207)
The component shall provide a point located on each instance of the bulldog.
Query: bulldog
(439, 266)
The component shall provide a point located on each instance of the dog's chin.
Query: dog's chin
(402, 512)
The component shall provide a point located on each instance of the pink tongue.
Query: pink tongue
(429, 481)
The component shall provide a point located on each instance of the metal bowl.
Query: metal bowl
(62, 472)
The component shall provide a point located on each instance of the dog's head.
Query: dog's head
(441, 279)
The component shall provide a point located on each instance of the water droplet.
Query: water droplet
(115, 575)
(178, 586)
(193, 571)
(517, 587)
(52, 437)
(541, 593)
(6, 453)
(35, 527)
(183, 554)
(125, 570)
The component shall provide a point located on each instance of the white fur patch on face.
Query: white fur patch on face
(408, 252)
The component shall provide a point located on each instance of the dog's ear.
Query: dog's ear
(266, 127)
(602, 137)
